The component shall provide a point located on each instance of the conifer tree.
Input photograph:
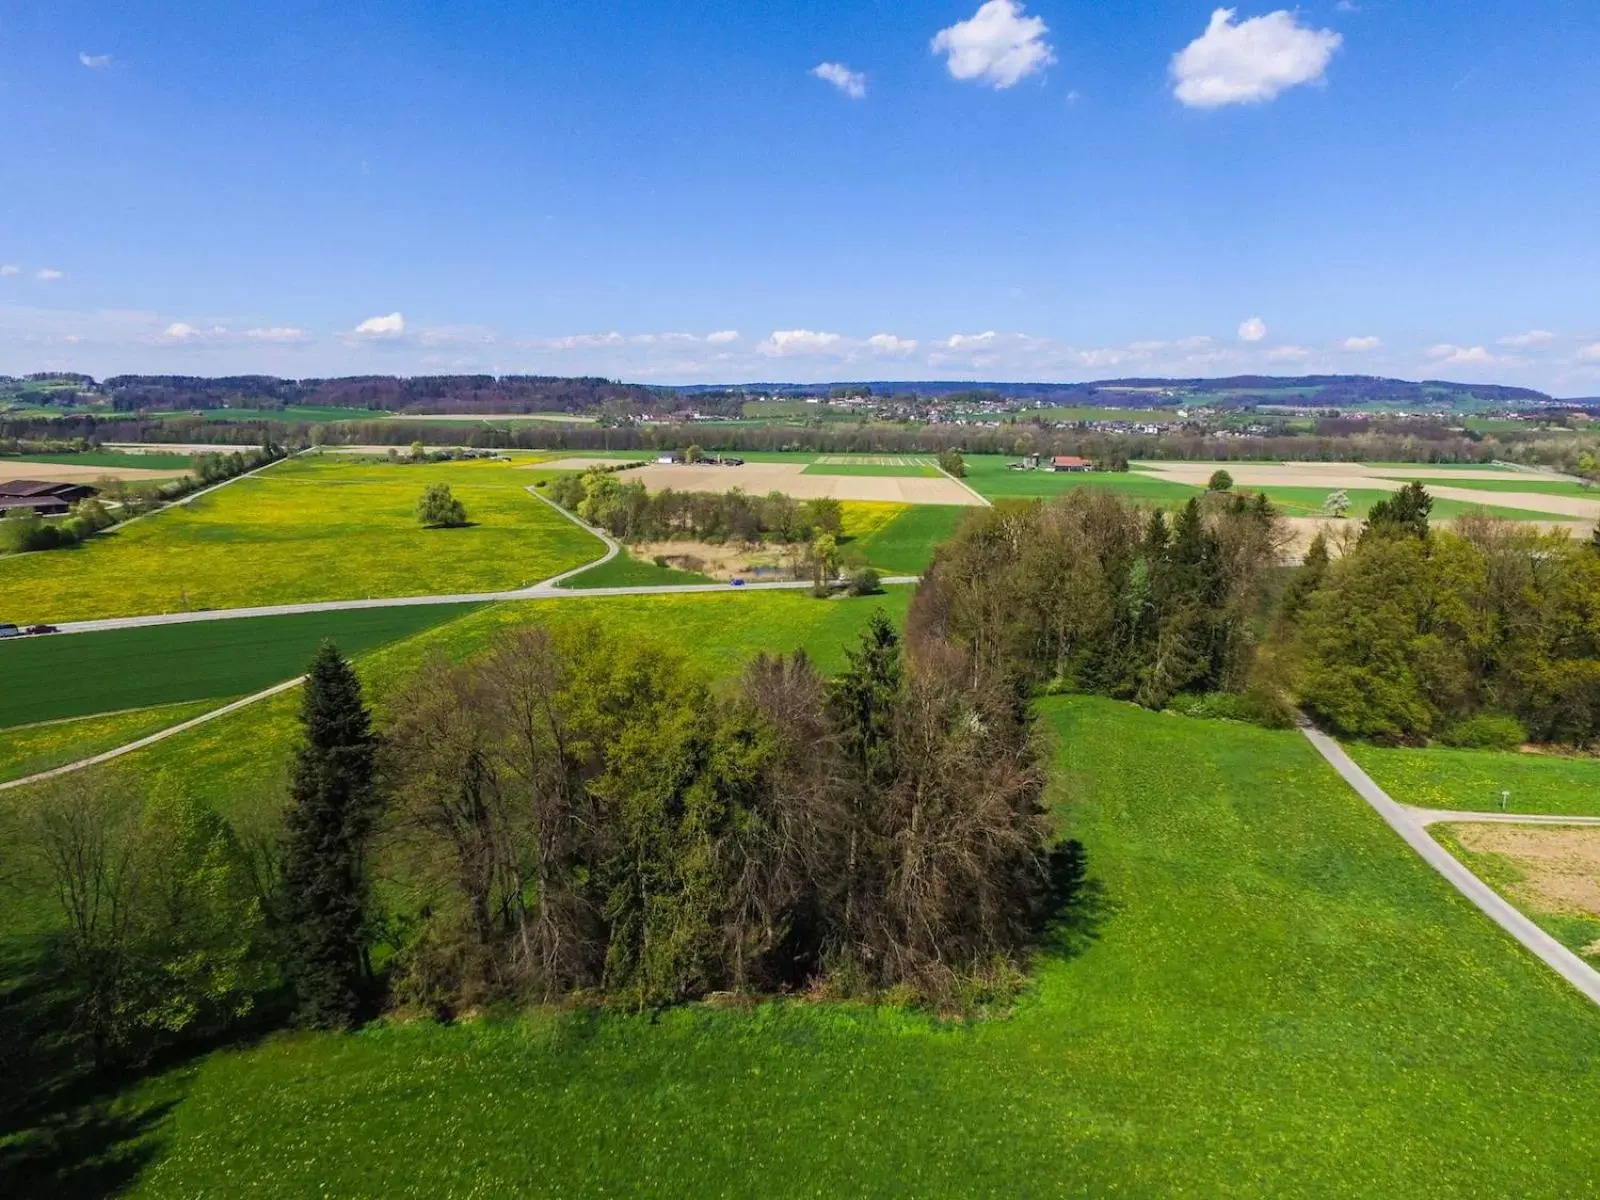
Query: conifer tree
(329, 826)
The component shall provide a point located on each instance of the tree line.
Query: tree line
(630, 512)
(1484, 634)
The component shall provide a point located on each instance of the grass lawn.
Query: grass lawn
(117, 459)
(909, 471)
(72, 675)
(1532, 484)
(314, 528)
(906, 544)
(1280, 1000)
(29, 749)
(1308, 502)
(990, 476)
(627, 571)
(1472, 780)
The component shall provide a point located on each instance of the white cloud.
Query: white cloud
(1252, 330)
(391, 326)
(851, 83)
(8, 270)
(997, 45)
(283, 334)
(94, 62)
(1360, 344)
(723, 337)
(888, 343)
(179, 331)
(48, 274)
(1534, 337)
(1251, 61)
(1450, 356)
(971, 341)
(783, 342)
(1590, 353)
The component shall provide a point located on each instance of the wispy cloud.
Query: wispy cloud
(997, 45)
(1360, 345)
(390, 326)
(781, 343)
(723, 337)
(7, 270)
(851, 83)
(1455, 356)
(95, 62)
(49, 274)
(1252, 330)
(1251, 61)
(1534, 337)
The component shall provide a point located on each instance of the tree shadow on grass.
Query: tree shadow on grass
(66, 1129)
(1074, 907)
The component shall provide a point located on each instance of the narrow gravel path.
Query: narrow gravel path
(159, 736)
(1404, 822)
(1442, 816)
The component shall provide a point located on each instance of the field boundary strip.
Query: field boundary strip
(150, 740)
(1399, 818)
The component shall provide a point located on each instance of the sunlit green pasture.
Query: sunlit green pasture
(991, 476)
(1473, 780)
(312, 528)
(1269, 995)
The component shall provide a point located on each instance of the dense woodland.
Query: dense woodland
(1485, 634)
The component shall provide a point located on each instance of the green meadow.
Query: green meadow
(1263, 993)
(311, 528)
(906, 544)
(28, 749)
(1472, 780)
(72, 675)
(907, 470)
(990, 476)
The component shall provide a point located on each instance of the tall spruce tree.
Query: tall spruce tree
(330, 823)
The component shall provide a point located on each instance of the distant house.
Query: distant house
(1070, 462)
(1030, 462)
(46, 499)
(667, 459)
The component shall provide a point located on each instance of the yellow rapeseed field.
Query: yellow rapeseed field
(312, 528)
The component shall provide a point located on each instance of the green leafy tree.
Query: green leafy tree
(418, 451)
(824, 515)
(1220, 481)
(951, 463)
(438, 509)
(332, 807)
(1404, 514)
(693, 454)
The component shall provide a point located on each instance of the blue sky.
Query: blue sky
(1049, 190)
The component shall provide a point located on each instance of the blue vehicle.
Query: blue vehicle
(735, 583)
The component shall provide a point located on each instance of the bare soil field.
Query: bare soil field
(1561, 866)
(1354, 476)
(579, 463)
(75, 473)
(761, 478)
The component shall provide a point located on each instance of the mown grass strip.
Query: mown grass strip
(79, 674)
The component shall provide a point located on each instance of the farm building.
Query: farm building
(46, 499)
(1070, 462)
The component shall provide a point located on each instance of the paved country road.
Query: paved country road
(1405, 822)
